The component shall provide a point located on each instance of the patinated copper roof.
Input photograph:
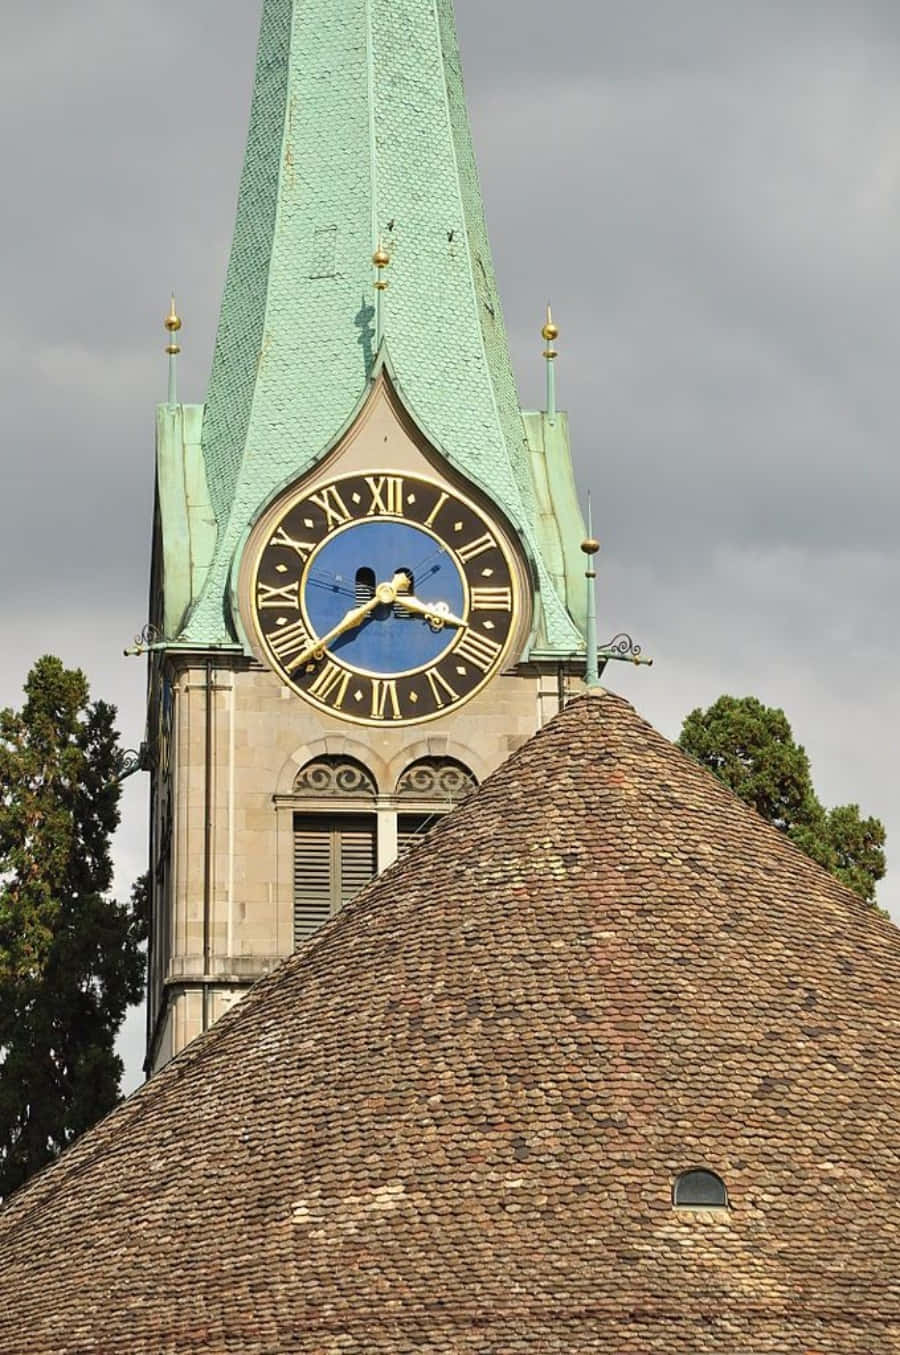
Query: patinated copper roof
(452, 1122)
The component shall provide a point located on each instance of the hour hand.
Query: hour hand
(437, 614)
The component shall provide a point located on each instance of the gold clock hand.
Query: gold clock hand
(316, 650)
(437, 613)
(385, 594)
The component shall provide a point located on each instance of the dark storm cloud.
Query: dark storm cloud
(727, 283)
(121, 142)
(656, 39)
(709, 191)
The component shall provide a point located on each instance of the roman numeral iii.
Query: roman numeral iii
(491, 599)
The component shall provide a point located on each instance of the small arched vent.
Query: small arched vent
(335, 778)
(399, 609)
(365, 585)
(700, 1189)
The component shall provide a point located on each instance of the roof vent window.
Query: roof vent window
(700, 1189)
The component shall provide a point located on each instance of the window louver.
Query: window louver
(334, 858)
(357, 859)
(412, 828)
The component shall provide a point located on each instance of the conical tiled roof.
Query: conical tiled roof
(452, 1122)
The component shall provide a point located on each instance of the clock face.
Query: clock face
(385, 598)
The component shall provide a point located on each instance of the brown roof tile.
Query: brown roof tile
(450, 1125)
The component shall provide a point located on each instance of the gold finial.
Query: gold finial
(381, 259)
(173, 325)
(590, 546)
(550, 334)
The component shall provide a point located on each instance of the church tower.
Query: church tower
(366, 583)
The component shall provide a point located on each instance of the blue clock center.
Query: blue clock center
(347, 569)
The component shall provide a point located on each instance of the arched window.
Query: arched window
(329, 778)
(700, 1189)
(335, 843)
(426, 791)
(438, 780)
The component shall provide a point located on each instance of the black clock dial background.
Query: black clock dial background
(475, 543)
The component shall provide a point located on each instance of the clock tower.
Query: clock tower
(366, 584)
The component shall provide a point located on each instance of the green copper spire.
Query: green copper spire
(360, 143)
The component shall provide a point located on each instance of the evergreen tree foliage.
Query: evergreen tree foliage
(858, 848)
(71, 959)
(751, 748)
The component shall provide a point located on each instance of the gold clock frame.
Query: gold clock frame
(267, 525)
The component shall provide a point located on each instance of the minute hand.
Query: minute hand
(385, 595)
(352, 618)
(438, 613)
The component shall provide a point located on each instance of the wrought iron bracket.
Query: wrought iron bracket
(132, 761)
(622, 649)
(149, 639)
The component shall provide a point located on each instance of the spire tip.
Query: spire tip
(591, 546)
(173, 319)
(172, 323)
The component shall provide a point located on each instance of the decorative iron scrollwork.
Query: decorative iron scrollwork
(441, 780)
(133, 760)
(621, 646)
(150, 635)
(336, 777)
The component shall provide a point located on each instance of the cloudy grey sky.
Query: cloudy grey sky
(709, 192)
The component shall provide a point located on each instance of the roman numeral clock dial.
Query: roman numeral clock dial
(384, 599)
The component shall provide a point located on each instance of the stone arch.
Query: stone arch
(339, 746)
(436, 780)
(437, 746)
(338, 778)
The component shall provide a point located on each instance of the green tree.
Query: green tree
(751, 748)
(858, 847)
(71, 958)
